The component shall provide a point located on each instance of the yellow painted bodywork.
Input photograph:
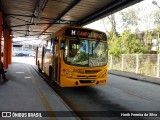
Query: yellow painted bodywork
(67, 81)
(73, 78)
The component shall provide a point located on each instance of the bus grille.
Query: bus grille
(92, 71)
(88, 76)
(86, 81)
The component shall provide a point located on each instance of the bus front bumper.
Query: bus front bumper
(70, 82)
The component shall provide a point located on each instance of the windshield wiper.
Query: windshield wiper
(84, 64)
(96, 45)
(81, 64)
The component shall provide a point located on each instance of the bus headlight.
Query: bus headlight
(68, 73)
(103, 74)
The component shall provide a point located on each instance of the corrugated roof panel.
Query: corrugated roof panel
(55, 8)
(55, 27)
(32, 17)
(85, 8)
(18, 6)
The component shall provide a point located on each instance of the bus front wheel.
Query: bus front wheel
(51, 76)
(39, 67)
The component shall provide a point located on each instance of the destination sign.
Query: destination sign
(84, 33)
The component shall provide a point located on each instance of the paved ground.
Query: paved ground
(27, 91)
(121, 94)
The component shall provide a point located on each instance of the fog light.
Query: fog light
(102, 81)
(76, 82)
(97, 82)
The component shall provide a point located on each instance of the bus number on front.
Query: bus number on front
(79, 70)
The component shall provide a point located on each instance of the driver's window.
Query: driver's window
(66, 48)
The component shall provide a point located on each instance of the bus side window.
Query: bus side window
(55, 45)
(48, 46)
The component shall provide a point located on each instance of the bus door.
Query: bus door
(42, 58)
(47, 55)
(58, 62)
(55, 60)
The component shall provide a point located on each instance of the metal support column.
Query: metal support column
(1, 19)
(36, 56)
(10, 50)
(6, 41)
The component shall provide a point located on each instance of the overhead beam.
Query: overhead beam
(29, 31)
(18, 32)
(20, 19)
(107, 10)
(22, 25)
(62, 14)
(33, 35)
(34, 10)
(26, 30)
(28, 24)
(41, 18)
(57, 22)
(13, 14)
(33, 16)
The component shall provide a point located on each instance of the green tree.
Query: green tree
(126, 44)
(157, 17)
(129, 18)
(131, 44)
(158, 38)
(156, 13)
(110, 20)
(115, 46)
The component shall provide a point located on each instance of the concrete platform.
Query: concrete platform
(27, 91)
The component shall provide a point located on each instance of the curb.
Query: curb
(136, 78)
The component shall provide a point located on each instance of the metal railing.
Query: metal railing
(145, 64)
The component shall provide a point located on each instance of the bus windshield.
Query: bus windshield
(85, 52)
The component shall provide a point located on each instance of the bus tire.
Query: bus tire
(39, 68)
(51, 76)
(50, 72)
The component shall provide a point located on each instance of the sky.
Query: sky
(145, 7)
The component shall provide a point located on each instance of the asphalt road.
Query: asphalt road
(121, 94)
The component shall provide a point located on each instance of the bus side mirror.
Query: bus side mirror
(62, 45)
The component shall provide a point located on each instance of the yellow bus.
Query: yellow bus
(74, 56)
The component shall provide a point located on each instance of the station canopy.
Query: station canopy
(40, 18)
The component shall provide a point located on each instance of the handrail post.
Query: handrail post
(137, 63)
